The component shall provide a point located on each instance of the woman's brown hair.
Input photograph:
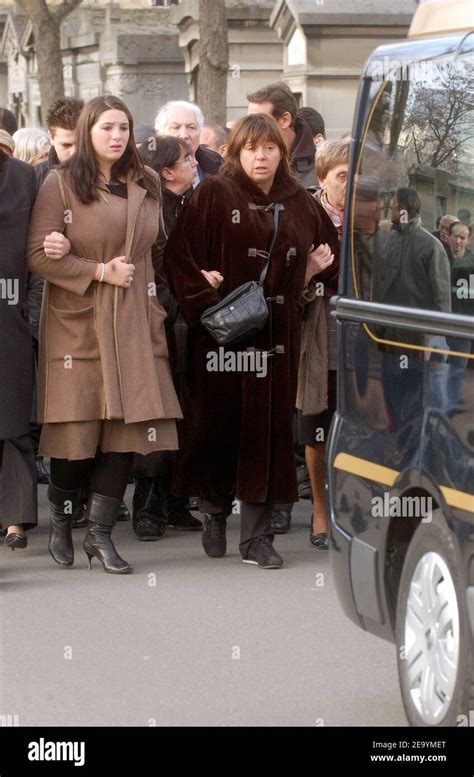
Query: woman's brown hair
(253, 129)
(331, 154)
(82, 165)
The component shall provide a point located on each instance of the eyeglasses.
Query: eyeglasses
(187, 158)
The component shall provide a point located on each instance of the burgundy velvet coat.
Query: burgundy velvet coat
(237, 434)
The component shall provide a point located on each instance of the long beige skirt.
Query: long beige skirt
(80, 439)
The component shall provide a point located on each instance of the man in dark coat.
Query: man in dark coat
(277, 100)
(18, 505)
(414, 270)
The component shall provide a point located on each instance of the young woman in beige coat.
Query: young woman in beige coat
(105, 388)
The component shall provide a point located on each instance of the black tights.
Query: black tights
(1, 452)
(107, 473)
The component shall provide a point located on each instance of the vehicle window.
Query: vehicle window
(417, 164)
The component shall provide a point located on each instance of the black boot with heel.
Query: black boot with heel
(102, 512)
(63, 506)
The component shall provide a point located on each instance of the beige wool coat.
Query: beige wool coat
(103, 351)
(312, 394)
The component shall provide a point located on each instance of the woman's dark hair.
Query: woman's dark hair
(82, 165)
(8, 121)
(163, 151)
(253, 129)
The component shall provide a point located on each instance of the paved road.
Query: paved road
(186, 640)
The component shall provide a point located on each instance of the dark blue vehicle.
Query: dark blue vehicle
(400, 461)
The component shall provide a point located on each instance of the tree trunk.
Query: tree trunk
(213, 61)
(46, 23)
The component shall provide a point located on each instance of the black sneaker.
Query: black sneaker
(183, 520)
(281, 520)
(148, 528)
(213, 535)
(262, 553)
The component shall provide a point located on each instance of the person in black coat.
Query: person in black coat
(238, 401)
(154, 506)
(18, 501)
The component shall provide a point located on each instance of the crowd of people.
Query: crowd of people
(123, 236)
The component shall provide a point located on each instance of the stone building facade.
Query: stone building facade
(326, 43)
(129, 49)
(146, 51)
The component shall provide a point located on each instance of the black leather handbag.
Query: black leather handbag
(244, 310)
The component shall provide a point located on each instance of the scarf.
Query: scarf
(334, 214)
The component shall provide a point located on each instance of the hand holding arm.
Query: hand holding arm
(319, 259)
(56, 245)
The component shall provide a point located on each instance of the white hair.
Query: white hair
(30, 144)
(163, 114)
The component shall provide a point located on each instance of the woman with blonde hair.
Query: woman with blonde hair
(316, 400)
(31, 145)
(105, 388)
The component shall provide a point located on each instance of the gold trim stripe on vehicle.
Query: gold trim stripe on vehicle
(366, 469)
(387, 477)
(460, 499)
(398, 344)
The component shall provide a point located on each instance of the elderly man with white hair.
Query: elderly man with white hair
(185, 120)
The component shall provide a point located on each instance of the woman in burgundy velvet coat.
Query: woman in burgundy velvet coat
(237, 435)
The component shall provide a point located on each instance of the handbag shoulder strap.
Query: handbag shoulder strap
(276, 218)
(61, 188)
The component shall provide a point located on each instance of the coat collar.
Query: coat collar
(407, 227)
(303, 144)
(135, 196)
(278, 193)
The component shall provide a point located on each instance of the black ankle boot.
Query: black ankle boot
(63, 506)
(102, 514)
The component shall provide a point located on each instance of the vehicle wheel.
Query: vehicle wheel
(434, 642)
